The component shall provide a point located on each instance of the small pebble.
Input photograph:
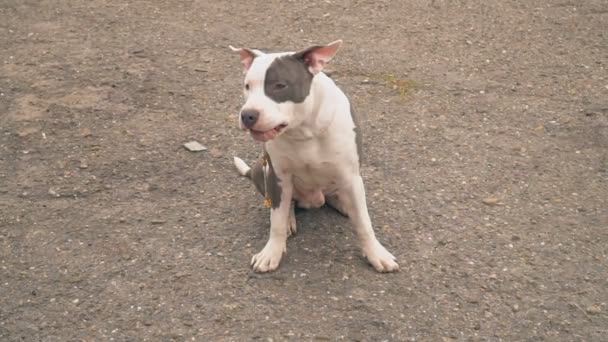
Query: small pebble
(594, 309)
(194, 146)
(216, 153)
(85, 132)
(490, 201)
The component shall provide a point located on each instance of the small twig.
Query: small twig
(582, 310)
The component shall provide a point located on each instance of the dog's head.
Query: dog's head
(275, 84)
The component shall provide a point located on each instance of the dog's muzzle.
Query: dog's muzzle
(249, 117)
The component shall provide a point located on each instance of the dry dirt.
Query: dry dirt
(486, 137)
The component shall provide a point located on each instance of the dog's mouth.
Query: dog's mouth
(270, 134)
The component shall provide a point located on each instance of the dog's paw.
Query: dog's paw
(269, 258)
(382, 260)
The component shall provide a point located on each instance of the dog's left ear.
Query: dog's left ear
(247, 56)
(317, 56)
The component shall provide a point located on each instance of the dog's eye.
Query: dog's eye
(280, 86)
(246, 86)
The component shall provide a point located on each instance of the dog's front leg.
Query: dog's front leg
(356, 207)
(269, 258)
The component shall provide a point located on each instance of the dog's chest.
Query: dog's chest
(311, 167)
(316, 176)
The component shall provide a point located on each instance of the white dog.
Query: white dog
(312, 147)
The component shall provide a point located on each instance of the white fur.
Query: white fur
(241, 166)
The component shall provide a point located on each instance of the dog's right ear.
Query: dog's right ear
(247, 56)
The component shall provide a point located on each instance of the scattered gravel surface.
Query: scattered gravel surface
(486, 138)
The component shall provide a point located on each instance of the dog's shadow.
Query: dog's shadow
(323, 235)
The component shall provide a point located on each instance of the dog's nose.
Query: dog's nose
(249, 117)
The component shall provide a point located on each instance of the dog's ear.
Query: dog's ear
(317, 56)
(247, 56)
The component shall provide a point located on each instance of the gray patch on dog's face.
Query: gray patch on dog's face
(288, 79)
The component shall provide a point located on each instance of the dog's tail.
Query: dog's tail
(242, 167)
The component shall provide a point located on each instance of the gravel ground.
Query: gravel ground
(486, 138)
